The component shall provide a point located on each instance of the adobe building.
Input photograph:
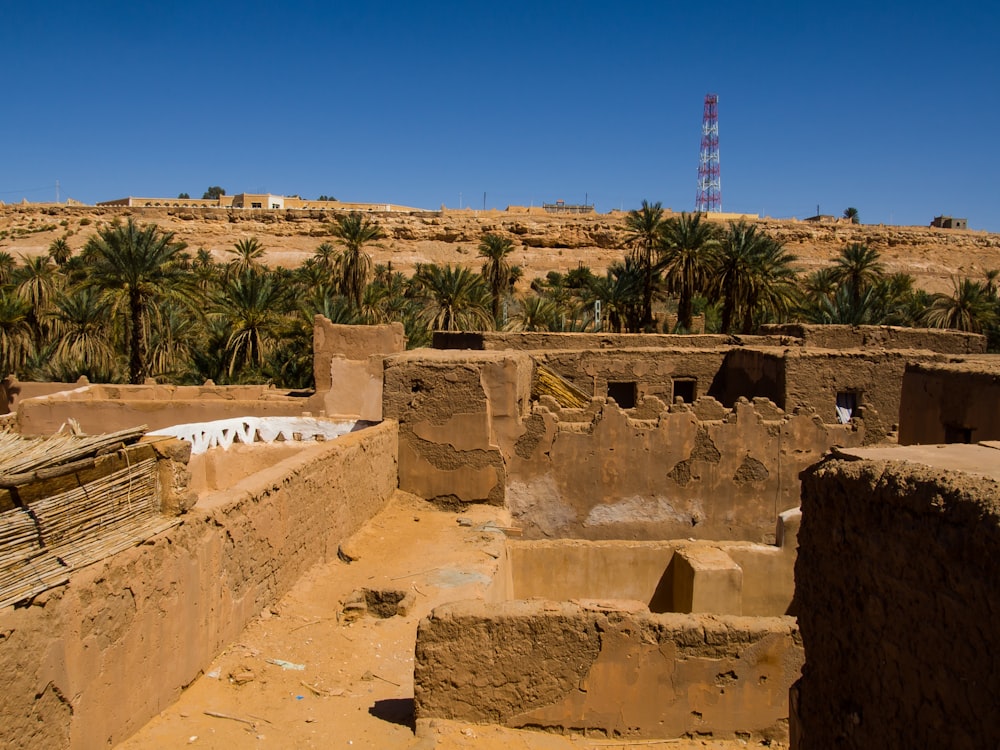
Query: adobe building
(659, 476)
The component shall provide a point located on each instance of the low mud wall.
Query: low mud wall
(86, 664)
(566, 668)
(108, 408)
(663, 576)
(898, 591)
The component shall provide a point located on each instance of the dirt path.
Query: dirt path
(299, 678)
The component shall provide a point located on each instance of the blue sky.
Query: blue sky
(893, 108)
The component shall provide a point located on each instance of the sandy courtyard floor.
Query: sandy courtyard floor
(300, 678)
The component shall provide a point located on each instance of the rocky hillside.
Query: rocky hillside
(544, 243)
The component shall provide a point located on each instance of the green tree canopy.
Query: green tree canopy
(355, 231)
(140, 264)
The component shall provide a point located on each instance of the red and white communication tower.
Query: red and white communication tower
(709, 197)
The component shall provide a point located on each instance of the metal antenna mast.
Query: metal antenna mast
(709, 197)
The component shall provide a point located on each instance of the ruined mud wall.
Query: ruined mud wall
(535, 341)
(877, 337)
(467, 433)
(107, 408)
(88, 663)
(347, 366)
(813, 378)
(897, 589)
(699, 471)
(654, 371)
(751, 373)
(950, 403)
(459, 415)
(566, 668)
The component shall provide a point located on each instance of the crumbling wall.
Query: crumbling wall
(568, 668)
(459, 416)
(347, 366)
(699, 471)
(88, 663)
(538, 341)
(878, 337)
(652, 370)
(898, 590)
(950, 403)
(651, 472)
(751, 373)
(814, 378)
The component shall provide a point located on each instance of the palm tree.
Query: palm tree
(247, 254)
(354, 231)
(251, 304)
(15, 333)
(620, 294)
(733, 270)
(859, 266)
(687, 255)
(642, 228)
(496, 269)
(60, 251)
(7, 266)
(36, 283)
(453, 298)
(325, 257)
(969, 308)
(137, 262)
(851, 213)
(536, 314)
(773, 289)
(84, 339)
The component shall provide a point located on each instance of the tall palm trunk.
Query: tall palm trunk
(137, 337)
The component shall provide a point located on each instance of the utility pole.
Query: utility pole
(484, 200)
(57, 191)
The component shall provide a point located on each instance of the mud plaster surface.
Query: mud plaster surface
(409, 546)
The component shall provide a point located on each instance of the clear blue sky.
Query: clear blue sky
(893, 108)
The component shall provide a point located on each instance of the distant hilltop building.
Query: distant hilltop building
(562, 207)
(265, 201)
(950, 222)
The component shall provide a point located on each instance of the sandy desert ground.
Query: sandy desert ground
(355, 685)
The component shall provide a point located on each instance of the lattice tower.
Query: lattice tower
(709, 198)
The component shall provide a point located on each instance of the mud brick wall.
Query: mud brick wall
(652, 370)
(814, 378)
(459, 415)
(467, 433)
(565, 668)
(699, 471)
(107, 408)
(949, 403)
(87, 664)
(878, 337)
(898, 592)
